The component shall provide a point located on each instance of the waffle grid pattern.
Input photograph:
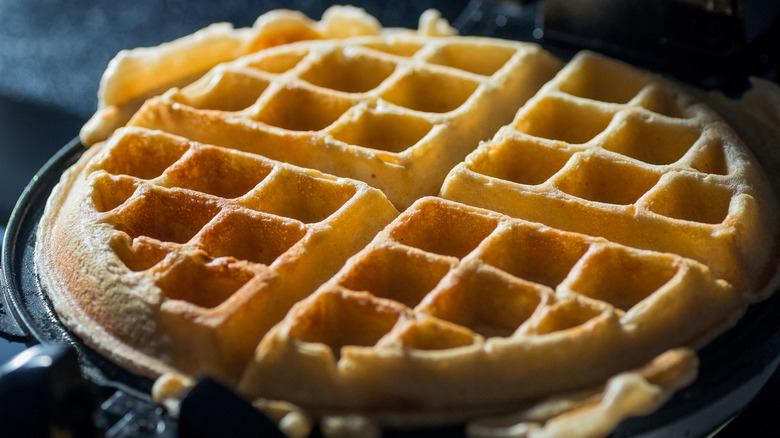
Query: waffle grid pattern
(396, 114)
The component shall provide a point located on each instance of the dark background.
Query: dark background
(53, 53)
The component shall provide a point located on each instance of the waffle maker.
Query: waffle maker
(59, 386)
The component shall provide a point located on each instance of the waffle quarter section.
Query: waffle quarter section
(453, 310)
(395, 112)
(634, 160)
(196, 250)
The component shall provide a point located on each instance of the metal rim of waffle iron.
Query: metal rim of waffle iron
(733, 367)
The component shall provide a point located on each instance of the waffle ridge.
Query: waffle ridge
(413, 230)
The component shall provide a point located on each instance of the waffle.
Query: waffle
(412, 229)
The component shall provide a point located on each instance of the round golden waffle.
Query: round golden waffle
(568, 234)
